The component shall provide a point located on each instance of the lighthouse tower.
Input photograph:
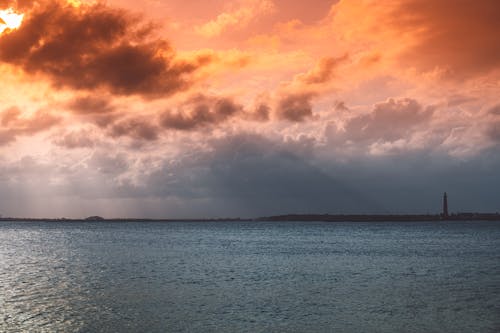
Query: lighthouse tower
(445, 206)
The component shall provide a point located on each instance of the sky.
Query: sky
(225, 108)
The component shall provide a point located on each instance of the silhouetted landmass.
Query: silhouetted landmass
(384, 217)
(295, 217)
(101, 219)
(95, 218)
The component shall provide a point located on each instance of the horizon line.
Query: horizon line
(307, 216)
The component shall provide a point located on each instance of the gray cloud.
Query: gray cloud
(200, 111)
(13, 124)
(250, 175)
(388, 121)
(113, 165)
(135, 128)
(76, 139)
(494, 131)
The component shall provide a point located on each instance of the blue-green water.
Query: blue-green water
(250, 277)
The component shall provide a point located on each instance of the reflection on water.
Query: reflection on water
(250, 277)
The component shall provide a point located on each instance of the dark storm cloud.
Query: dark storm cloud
(296, 107)
(96, 46)
(200, 111)
(250, 175)
(414, 181)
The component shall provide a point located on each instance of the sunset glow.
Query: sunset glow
(10, 19)
(248, 107)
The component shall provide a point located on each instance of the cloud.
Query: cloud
(14, 124)
(17, 4)
(90, 105)
(295, 98)
(457, 38)
(391, 126)
(200, 111)
(135, 128)
(495, 110)
(110, 164)
(10, 115)
(98, 110)
(241, 17)
(296, 107)
(389, 121)
(249, 175)
(493, 132)
(323, 71)
(93, 47)
(76, 139)
(262, 112)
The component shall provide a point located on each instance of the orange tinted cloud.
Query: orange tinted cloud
(323, 72)
(96, 46)
(13, 123)
(459, 38)
(90, 105)
(240, 17)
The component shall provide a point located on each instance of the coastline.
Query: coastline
(288, 218)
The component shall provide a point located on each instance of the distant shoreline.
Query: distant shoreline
(289, 218)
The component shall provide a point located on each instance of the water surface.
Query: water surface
(250, 277)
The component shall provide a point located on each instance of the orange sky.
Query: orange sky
(99, 99)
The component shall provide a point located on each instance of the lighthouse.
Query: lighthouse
(445, 206)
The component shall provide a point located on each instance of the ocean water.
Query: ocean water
(250, 277)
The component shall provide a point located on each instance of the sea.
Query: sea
(249, 277)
